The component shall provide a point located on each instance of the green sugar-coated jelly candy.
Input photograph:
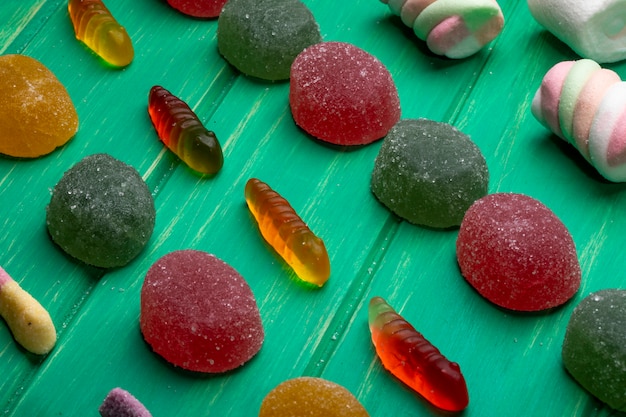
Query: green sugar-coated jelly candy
(594, 349)
(101, 212)
(429, 173)
(261, 38)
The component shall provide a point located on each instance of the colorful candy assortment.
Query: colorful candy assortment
(183, 133)
(578, 100)
(414, 360)
(96, 27)
(584, 104)
(285, 231)
(456, 29)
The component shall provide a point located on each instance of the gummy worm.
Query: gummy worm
(97, 28)
(183, 133)
(285, 231)
(414, 360)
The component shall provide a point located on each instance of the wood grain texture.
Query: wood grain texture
(511, 361)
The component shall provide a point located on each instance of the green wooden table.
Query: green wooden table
(511, 361)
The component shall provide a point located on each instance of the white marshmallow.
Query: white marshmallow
(594, 29)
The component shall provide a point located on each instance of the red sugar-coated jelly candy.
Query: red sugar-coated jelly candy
(199, 314)
(198, 8)
(341, 94)
(517, 253)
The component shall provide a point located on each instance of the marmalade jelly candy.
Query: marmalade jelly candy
(341, 94)
(517, 254)
(198, 313)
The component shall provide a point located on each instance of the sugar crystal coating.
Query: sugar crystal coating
(517, 253)
(594, 348)
(341, 94)
(101, 212)
(429, 173)
(36, 112)
(319, 397)
(262, 38)
(121, 403)
(199, 314)
(198, 8)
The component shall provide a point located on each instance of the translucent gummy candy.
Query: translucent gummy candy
(341, 94)
(101, 212)
(594, 349)
(517, 253)
(199, 314)
(261, 38)
(429, 173)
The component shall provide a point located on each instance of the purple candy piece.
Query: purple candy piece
(120, 403)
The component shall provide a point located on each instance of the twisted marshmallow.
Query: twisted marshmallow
(454, 28)
(585, 105)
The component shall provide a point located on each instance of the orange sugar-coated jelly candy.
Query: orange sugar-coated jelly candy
(315, 396)
(36, 112)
